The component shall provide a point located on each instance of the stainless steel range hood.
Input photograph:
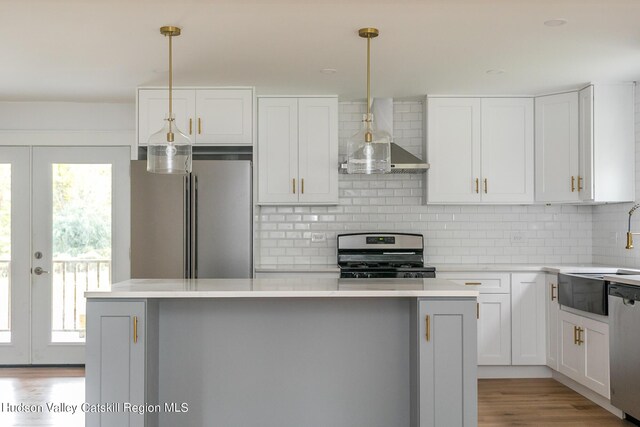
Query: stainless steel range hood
(402, 161)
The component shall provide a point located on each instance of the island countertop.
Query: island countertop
(283, 288)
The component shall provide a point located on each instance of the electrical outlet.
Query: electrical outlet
(517, 238)
(318, 237)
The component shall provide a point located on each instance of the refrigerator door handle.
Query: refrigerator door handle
(185, 228)
(195, 227)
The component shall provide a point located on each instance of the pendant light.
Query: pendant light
(369, 150)
(169, 150)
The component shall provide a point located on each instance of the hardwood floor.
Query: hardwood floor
(39, 386)
(538, 402)
(510, 402)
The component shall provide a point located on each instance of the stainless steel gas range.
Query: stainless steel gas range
(382, 255)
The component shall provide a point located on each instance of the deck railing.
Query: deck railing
(70, 279)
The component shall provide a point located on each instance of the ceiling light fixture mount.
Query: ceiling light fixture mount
(369, 150)
(169, 150)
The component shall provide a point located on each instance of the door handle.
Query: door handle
(302, 186)
(580, 188)
(135, 329)
(39, 271)
(190, 126)
(477, 185)
(580, 340)
(573, 183)
(294, 186)
(553, 296)
(485, 186)
(575, 335)
(428, 328)
(199, 126)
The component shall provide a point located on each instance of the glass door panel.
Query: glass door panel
(5, 252)
(14, 255)
(81, 227)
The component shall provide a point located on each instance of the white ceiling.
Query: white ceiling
(81, 50)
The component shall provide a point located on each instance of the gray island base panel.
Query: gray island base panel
(364, 361)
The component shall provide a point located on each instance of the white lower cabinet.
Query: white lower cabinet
(552, 307)
(528, 319)
(494, 313)
(584, 351)
(494, 329)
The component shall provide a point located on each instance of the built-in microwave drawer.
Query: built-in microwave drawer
(584, 292)
(487, 283)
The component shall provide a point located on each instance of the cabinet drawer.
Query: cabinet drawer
(486, 283)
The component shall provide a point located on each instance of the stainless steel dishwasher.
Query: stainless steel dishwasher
(624, 347)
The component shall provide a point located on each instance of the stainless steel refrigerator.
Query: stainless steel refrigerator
(194, 226)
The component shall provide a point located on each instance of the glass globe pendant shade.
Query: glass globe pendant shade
(169, 151)
(369, 150)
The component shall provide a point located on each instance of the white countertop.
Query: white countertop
(282, 288)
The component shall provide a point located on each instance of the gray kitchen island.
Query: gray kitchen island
(282, 353)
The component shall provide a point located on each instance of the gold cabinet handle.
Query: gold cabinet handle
(302, 186)
(199, 126)
(553, 288)
(190, 126)
(477, 310)
(428, 327)
(580, 340)
(477, 185)
(294, 186)
(573, 183)
(473, 283)
(575, 335)
(135, 329)
(485, 186)
(580, 183)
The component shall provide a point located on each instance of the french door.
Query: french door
(77, 239)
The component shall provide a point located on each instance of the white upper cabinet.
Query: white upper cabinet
(298, 150)
(208, 116)
(507, 150)
(607, 143)
(453, 150)
(556, 130)
(480, 150)
(585, 147)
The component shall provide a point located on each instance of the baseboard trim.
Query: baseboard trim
(588, 393)
(485, 372)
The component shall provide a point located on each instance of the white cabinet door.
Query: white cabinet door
(494, 329)
(556, 148)
(453, 150)
(571, 355)
(318, 150)
(528, 319)
(224, 116)
(507, 150)
(596, 358)
(153, 106)
(278, 150)
(552, 308)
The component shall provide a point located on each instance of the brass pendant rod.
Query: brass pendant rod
(368, 78)
(170, 74)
